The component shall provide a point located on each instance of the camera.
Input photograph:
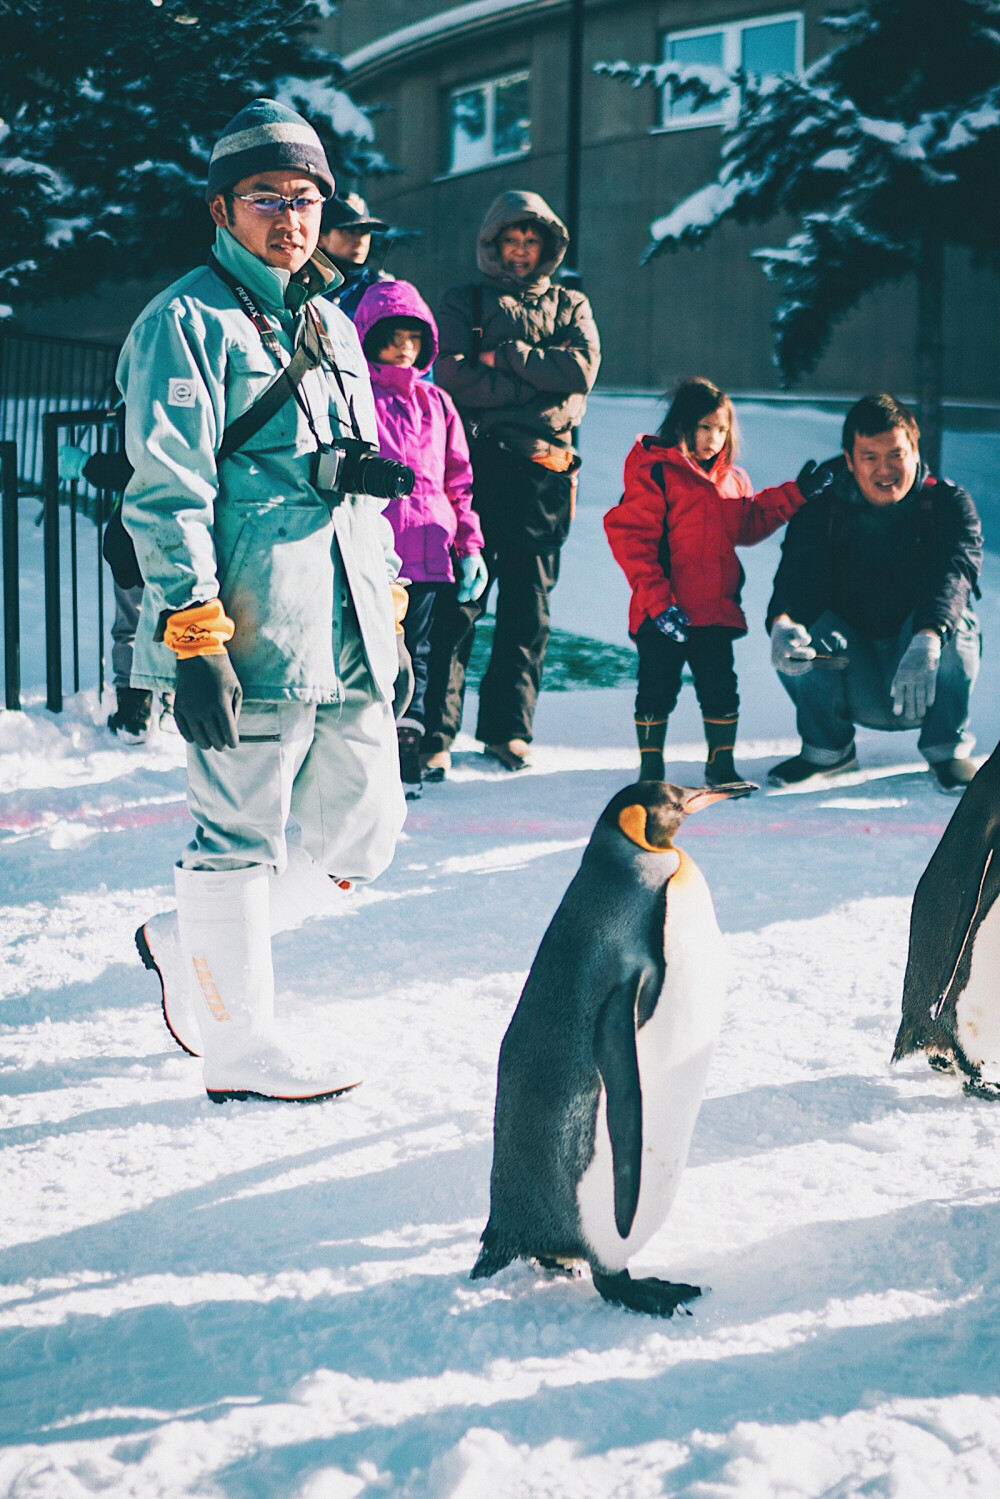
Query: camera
(352, 466)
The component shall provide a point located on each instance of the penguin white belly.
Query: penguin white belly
(977, 1011)
(674, 1049)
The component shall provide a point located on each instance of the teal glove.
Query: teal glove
(473, 577)
(71, 461)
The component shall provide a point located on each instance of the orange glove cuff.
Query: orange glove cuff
(400, 604)
(559, 461)
(201, 630)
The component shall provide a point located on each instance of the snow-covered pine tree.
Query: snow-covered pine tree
(108, 113)
(886, 152)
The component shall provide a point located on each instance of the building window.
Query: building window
(761, 48)
(488, 122)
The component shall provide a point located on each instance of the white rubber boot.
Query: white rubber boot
(159, 944)
(302, 890)
(225, 940)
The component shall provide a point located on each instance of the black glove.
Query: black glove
(207, 702)
(813, 479)
(403, 694)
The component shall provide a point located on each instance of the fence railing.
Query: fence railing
(42, 373)
(65, 505)
(11, 577)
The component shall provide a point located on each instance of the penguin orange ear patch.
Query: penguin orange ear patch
(632, 821)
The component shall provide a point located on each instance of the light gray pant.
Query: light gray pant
(333, 766)
(128, 602)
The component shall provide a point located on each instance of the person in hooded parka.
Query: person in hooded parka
(519, 353)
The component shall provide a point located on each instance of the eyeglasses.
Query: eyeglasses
(272, 204)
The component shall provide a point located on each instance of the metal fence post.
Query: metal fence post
(50, 542)
(11, 580)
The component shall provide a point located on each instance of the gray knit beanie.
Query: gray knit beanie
(266, 137)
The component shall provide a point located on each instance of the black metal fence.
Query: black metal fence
(41, 374)
(65, 504)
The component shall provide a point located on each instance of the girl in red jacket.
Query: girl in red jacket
(686, 508)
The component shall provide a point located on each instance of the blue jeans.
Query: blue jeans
(829, 703)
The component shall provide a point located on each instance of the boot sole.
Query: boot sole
(142, 948)
(240, 1095)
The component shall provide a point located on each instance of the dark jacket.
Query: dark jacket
(536, 393)
(875, 565)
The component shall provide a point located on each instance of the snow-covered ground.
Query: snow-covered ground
(264, 1300)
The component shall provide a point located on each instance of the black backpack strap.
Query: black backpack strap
(268, 403)
(477, 322)
(663, 550)
(307, 356)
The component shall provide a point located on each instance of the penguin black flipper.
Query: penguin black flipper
(618, 1065)
(954, 893)
(658, 1298)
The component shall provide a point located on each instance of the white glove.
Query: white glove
(915, 682)
(791, 649)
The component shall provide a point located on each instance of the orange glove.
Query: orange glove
(400, 604)
(201, 630)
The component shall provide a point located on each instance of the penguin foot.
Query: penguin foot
(553, 1265)
(980, 1087)
(658, 1298)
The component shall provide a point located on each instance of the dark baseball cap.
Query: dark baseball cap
(350, 212)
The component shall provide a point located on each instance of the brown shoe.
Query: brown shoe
(514, 755)
(435, 767)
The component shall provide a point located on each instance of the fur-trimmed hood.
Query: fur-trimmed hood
(513, 208)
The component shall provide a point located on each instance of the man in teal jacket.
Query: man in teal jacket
(269, 605)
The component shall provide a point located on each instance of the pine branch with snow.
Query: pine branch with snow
(110, 111)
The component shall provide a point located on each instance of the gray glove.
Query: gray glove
(207, 702)
(915, 682)
(403, 692)
(791, 649)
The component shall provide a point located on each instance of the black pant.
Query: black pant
(708, 651)
(418, 632)
(524, 509)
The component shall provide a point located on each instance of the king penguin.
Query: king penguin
(603, 1065)
(951, 990)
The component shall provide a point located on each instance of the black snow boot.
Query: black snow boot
(651, 734)
(130, 720)
(720, 771)
(409, 737)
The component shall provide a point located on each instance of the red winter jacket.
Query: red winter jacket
(707, 516)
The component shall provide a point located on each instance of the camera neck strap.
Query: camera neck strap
(314, 346)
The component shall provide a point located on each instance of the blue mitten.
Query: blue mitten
(473, 577)
(673, 623)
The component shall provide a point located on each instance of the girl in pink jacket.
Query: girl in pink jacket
(436, 529)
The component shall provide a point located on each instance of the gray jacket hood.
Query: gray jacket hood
(514, 208)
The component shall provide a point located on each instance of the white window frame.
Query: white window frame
(732, 50)
(489, 86)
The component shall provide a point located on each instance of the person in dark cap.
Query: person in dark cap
(345, 237)
(268, 600)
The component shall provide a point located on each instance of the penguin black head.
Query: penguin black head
(649, 813)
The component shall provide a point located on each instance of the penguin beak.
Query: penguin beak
(703, 797)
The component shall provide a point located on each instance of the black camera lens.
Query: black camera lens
(382, 478)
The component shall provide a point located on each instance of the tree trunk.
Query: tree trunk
(930, 347)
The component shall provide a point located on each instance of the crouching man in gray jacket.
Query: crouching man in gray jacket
(268, 605)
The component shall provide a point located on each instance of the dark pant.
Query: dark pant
(829, 703)
(419, 634)
(524, 510)
(708, 651)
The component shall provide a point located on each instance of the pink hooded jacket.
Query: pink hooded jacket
(418, 425)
